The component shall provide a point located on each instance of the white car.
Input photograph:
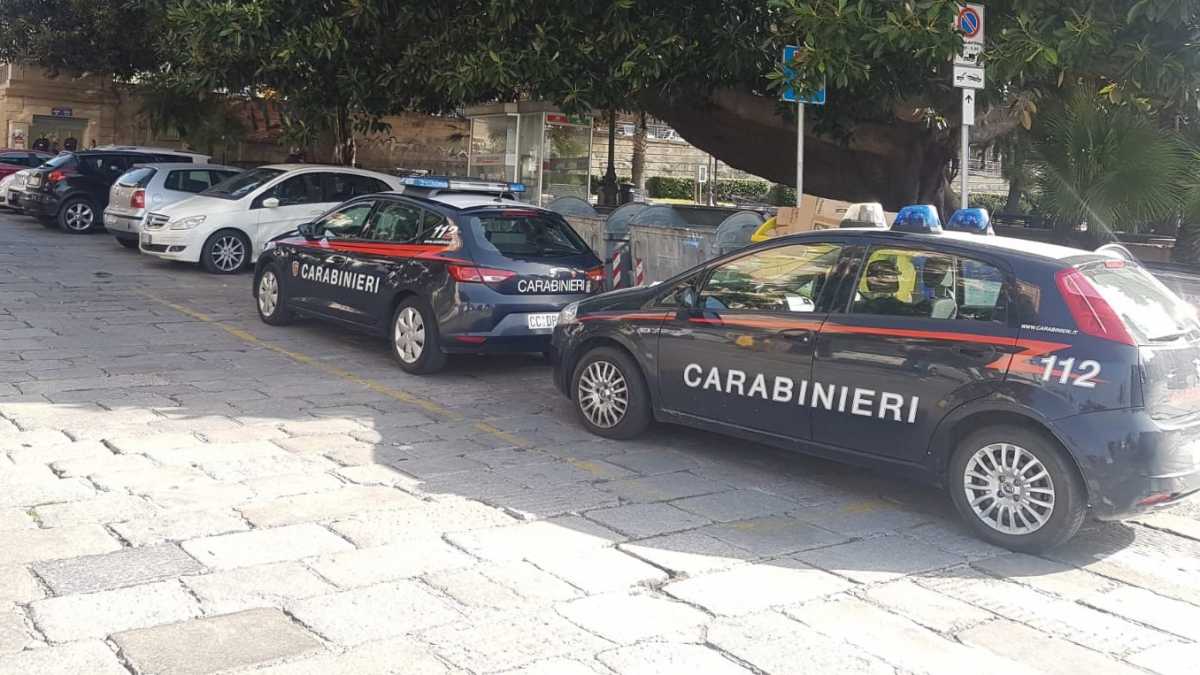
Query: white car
(4, 185)
(225, 227)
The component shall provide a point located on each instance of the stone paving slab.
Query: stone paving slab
(127, 567)
(250, 638)
(87, 656)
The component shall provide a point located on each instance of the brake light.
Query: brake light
(55, 176)
(596, 276)
(469, 274)
(1092, 313)
(138, 200)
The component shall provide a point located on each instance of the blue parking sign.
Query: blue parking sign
(789, 94)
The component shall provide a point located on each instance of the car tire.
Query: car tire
(225, 252)
(270, 300)
(1017, 488)
(610, 394)
(128, 243)
(413, 335)
(78, 216)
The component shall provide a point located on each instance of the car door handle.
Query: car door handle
(978, 352)
(799, 334)
(337, 259)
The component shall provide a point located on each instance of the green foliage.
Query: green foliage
(781, 195)
(666, 187)
(998, 204)
(1108, 165)
(116, 37)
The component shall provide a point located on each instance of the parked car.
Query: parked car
(226, 227)
(71, 190)
(451, 265)
(12, 192)
(13, 160)
(1035, 382)
(155, 186)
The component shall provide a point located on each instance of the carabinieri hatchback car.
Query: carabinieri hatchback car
(447, 266)
(1033, 381)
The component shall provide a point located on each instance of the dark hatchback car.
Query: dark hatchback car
(71, 190)
(447, 266)
(1034, 382)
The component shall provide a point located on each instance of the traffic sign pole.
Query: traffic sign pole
(968, 76)
(965, 168)
(799, 153)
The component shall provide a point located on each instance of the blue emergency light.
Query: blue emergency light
(971, 221)
(461, 184)
(918, 219)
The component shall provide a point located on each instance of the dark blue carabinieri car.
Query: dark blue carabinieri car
(446, 266)
(1035, 382)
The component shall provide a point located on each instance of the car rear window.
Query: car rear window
(520, 233)
(139, 177)
(60, 161)
(1150, 310)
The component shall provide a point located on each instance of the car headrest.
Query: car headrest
(883, 276)
(934, 272)
(919, 219)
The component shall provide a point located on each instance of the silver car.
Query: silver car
(153, 186)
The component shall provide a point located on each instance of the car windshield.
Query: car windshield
(242, 184)
(1151, 310)
(527, 233)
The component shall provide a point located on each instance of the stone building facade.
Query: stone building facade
(59, 111)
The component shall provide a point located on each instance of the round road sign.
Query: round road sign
(969, 21)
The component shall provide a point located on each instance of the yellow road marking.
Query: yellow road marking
(378, 387)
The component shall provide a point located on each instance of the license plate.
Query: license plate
(542, 321)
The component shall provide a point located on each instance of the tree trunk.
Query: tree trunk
(639, 154)
(893, 162)
(345, 148)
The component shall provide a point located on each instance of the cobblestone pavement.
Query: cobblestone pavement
(186, 490)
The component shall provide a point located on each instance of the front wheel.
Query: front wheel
(225, 252)
(415, 340)
(1017, 489)
(271, 307)
(77, 216)
(610, 395)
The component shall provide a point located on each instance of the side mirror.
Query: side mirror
(270, 203)
(688, 299)
(306, 230)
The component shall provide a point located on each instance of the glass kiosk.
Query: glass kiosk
(532, 143)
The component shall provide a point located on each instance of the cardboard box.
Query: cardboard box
(814, 213)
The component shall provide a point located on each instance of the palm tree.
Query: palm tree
(1110, 166)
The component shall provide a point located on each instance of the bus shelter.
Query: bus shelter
(532, 143)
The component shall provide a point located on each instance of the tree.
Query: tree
(1107, 165)
(638, 161)
(116, 37)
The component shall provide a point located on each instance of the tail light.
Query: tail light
(1092, 313)
(469, 274)
(138, 200)
(55, 176)
(596, 276)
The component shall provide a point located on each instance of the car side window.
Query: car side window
(779, 279)
(215, 176)
(365, 185)
(302, 189)
(191, 180)
(396, 223)
(929, 285)
(347, 223)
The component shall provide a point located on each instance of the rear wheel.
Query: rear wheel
(77, 216)
(271, 307)
(225, 252)
(415, 341)
(610, 395)
(1017, 488)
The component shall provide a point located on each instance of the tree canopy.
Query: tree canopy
(708, 67)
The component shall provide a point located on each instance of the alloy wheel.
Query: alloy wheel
(79, 216)
(228, 253)
(409, 335)
(268, 293)
(1009, 489)
(603, 394)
